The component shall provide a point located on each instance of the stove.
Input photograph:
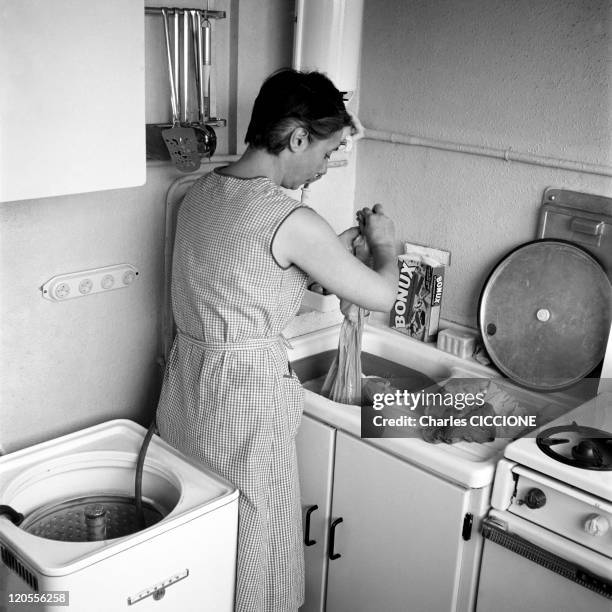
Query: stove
(551, 518)
(568, 448)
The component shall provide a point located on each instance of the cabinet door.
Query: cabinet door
(400, 539)
(315, 451)
(72, 97)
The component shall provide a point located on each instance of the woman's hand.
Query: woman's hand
(378, 229)
(347, 237)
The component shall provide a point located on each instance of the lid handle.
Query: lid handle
(587, 226)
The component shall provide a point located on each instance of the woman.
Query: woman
(243, 253)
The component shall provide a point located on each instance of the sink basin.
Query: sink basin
(313, 369)
(387, 351)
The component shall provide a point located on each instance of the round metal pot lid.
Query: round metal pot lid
(545, 314)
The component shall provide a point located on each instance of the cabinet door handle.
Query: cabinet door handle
(307, 540)
(332, 536)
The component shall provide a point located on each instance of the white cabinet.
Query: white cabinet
(399, 544)
(315, 450)
(72, 97)
(400, 538)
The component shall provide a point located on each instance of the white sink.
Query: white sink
(471, 465)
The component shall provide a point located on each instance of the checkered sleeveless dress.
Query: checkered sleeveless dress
(229, 397)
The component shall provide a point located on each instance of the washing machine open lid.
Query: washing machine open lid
(545, 310)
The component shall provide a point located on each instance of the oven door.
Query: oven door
(527, 567)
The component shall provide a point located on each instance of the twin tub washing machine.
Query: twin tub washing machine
(70, 534)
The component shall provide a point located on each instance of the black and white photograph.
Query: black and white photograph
(306, 305)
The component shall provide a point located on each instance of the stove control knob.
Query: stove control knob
(596, 525)
(535, 498)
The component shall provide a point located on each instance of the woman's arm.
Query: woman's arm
(306, 240)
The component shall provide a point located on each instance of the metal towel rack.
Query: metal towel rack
(204, 13)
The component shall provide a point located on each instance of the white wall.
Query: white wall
(527, 76)
(74, 363)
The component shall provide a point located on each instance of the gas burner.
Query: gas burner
(582, 447)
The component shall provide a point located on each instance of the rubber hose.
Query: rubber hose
(139, 469)
(14, 516)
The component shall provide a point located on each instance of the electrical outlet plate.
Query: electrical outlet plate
(79, 284)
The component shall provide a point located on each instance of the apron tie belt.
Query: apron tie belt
(242, 345)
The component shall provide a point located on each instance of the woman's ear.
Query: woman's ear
(298, 141)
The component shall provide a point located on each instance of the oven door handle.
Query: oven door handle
(495, 531)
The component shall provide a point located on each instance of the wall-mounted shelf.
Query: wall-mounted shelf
(191, 33)
(204, 13)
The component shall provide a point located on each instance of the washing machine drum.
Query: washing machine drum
(86, 519)
(545, 314)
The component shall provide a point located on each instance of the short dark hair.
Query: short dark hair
(289, 99)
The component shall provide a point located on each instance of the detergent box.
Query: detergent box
(416, 311)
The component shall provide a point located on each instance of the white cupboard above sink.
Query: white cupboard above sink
(72, 112)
